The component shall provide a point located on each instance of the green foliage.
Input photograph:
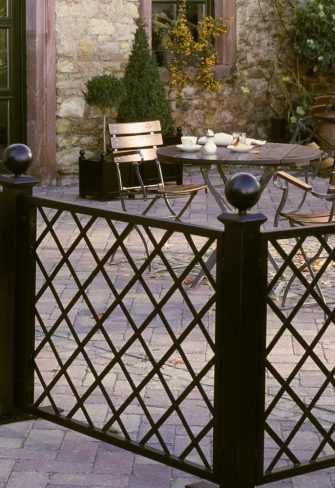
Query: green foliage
(312, 31)
(297, 98)
(145, 98)
(193, 45)
(104, 91)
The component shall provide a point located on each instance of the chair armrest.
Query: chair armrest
(284, 187)
(294, 181)
(330, 196)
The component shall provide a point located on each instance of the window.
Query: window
(226, 45)
(12, 75)
(164, 11)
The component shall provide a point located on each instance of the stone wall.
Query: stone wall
(235, 108)
(95, 37)
(254, 95)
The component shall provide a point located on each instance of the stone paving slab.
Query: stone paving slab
(39, 454)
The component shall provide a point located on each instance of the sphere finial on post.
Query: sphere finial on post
(243, 191)
(17, 158)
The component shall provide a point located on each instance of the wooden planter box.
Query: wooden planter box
(97, 176)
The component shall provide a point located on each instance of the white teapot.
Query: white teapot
(210, 146)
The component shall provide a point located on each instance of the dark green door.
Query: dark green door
(12, 73)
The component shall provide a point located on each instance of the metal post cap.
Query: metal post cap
(243, 191)
(17, 158)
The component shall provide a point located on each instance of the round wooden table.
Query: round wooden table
(268, 158)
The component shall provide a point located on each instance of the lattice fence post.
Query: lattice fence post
(17, 283)
(240, 338)
(240, 341)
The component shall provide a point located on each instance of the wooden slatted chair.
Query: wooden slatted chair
(300, 218)
(310, 218)
(135, 144)
(308, 130)
(323, 103)
(308, 133)
(309, 126)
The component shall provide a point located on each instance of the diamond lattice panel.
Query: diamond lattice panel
(300, 382)
(122, 345)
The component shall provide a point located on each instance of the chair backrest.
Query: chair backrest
(320, 108)
(310, 125)
(323, 103)
(145, 136)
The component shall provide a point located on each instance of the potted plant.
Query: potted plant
(104, 92)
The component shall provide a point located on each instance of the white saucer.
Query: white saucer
(196, 147)
(239, 149)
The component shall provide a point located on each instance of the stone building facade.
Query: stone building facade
(92, 38)
(95, 37)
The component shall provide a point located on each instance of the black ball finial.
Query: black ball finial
(17, 158)
(242, 191)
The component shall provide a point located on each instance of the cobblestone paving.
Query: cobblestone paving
(39, 454)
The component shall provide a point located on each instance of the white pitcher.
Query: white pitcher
(210, 146)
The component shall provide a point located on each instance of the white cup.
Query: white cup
(188, 141)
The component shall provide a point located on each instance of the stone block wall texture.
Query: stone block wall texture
(92, 38)
(95, 37)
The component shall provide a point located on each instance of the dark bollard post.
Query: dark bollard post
(240, 338)
(17, 283)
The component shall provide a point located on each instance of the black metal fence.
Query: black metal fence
(299, 410)
(100, 337)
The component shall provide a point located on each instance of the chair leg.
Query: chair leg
(282, 202)
(210, 263)
(185, 207)
(144, 243)
(175, 215)
(307, 264)
(168, 204)
(151, 204)
(135, 227)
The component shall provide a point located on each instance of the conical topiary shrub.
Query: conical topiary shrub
(145, 97)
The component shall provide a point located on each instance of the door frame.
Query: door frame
(41, 88)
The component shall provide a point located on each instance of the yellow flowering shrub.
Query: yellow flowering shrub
(187, 51)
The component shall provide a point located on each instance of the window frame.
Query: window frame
(13, 94)
(225, 45)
